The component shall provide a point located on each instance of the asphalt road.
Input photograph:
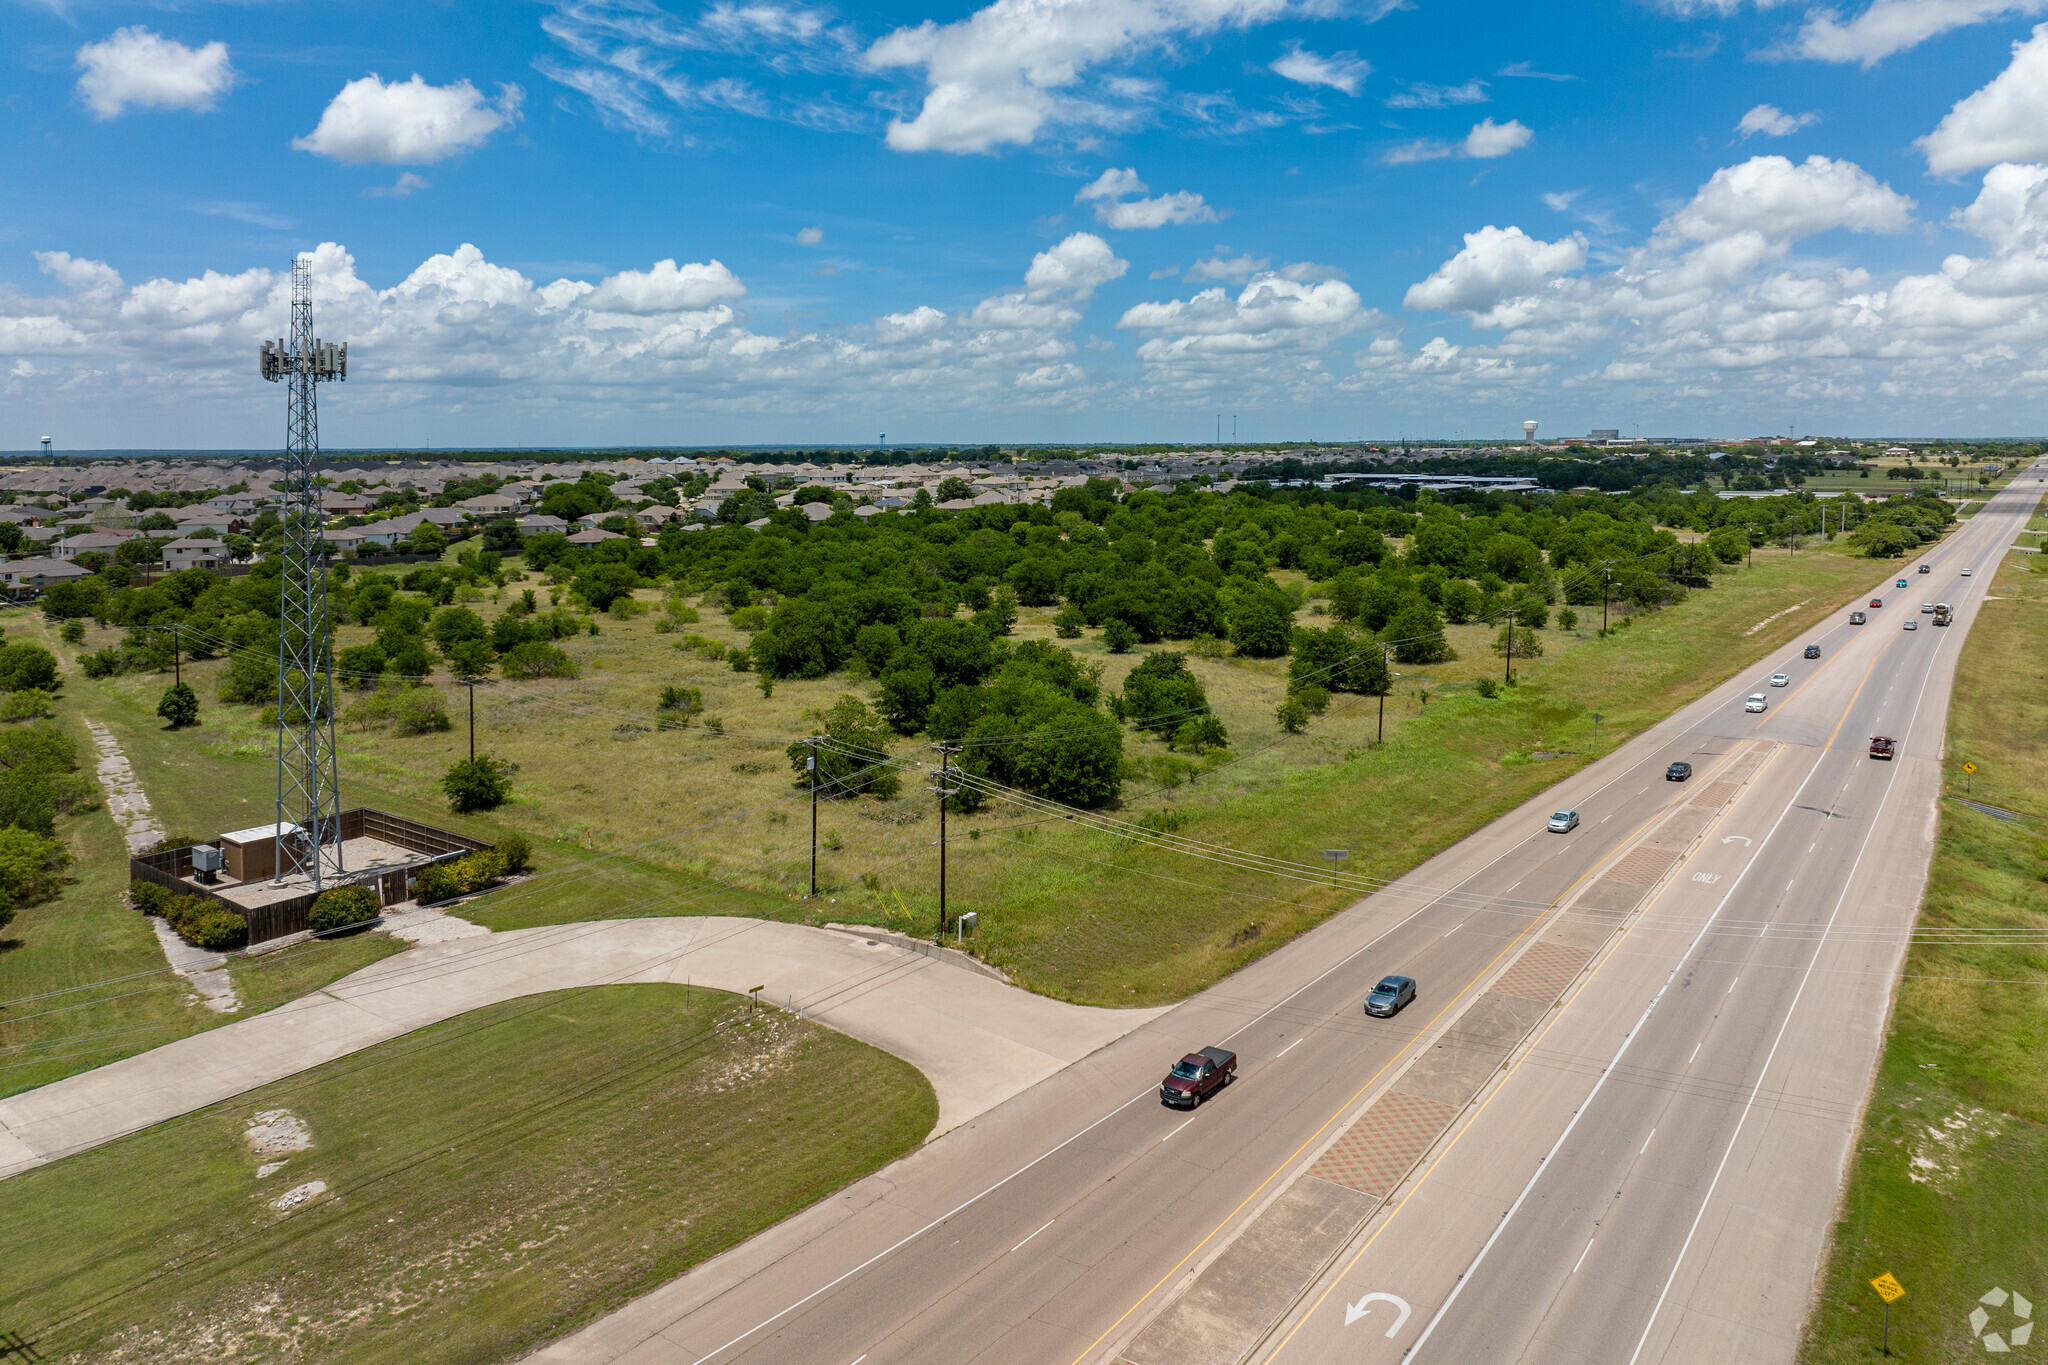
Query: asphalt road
(1055, 1227)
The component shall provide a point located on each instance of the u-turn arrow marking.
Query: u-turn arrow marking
(1733, 837)
(1354, 1311)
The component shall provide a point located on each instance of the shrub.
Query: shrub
(1067, 621)
(1261, 622)
(680, 703)
(476, 871)
(101, 663)
(26, 705)
(537, 659)
(407, 710)
(208, 924)
(150, 898)
(433, 884)
(1293, 716)
(473, 784)
(24, 666)
(1119, 635)
(854, 760)
(1315, 697)
(515, 851)
(1567, 619)
(344, 907)
(1160, 693)
(73, 632)
(179, 706)
(1201, 733)
(750, 618)
(1487, 687)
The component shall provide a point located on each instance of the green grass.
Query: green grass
(493, 1181)
(1966, 1055)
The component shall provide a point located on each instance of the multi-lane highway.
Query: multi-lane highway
(1610, 1129)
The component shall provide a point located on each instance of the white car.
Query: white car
(1927, 608)
(1756, 702)
(1966, 573)
(1912, 625)
(1564, 822)
(1779, 680)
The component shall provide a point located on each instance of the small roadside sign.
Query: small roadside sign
(1969, 767)
(1888, 1287)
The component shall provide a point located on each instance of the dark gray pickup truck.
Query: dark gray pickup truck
(1196, 1075)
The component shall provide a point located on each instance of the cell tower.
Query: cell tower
(308, 789)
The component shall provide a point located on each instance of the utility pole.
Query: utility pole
(812, 764)
(177, 660)
(946, 752)
(1510, 676)
(1386, 685)
(470, 683)
(1606, 591)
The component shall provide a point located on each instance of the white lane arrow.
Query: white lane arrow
(1733, 837)
(1354, 1311)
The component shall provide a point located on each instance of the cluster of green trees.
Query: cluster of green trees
(39, 780)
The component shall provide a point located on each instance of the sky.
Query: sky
(622, 222)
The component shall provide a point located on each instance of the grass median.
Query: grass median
(490, 1182)
(1947, 1179)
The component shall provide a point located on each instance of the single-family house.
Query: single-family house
(29, 575)
(592, 535)
(490, 506)
(195, 552)
(344, 540)
(541, 524)
(106, 542)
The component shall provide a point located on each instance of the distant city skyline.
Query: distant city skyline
(599, 224)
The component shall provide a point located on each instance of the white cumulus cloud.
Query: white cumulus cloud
(1005, 72)
(810, 236)
(140, 69)
(1772, 121)
(1108, 192)
(1340, 70)
(1272, 331)
(1222, 267)
(2007, 120)
(1495, 264)
(1890, 26)
(1771, 198)
(1489, 139)
(667, 288)
(407, 122)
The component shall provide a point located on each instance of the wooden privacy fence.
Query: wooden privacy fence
(170, 867)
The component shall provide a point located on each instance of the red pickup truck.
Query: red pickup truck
(1195, 1076)
(1881, 747)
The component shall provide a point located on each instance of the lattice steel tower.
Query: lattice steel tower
(308, 790)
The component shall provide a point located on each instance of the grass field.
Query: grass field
(1948, 1185)
(491, 1182)
(82, 979)
(632, 819)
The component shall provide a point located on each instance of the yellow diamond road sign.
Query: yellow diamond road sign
(1888, 1288)
(1969, 767)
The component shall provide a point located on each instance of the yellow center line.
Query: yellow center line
(1473, 1120)
(1371, 1080)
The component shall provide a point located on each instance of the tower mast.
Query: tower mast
(308, 788)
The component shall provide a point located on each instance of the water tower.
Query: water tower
(1528, 432)
(46, 447)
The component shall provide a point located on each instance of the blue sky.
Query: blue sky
(1029, 221)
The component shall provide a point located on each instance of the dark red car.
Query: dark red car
(1881, 747)
(1196, 1076)
(1877, 601)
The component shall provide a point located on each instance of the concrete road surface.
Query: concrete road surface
(1616, 1113)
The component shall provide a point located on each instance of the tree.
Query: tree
(603, 584)
(1416, 634)
(853, 758)
(1336, 658)
(1293, 716)
(471, 658)
(1527, 645)
(1260, 622)
(474, 784)
(180, 706)
(1120, 635)
(1161, 693)
(953, 488)
(24, 666)
(452, 625)
(426, 539)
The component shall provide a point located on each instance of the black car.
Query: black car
(1813, 651)
(1678, 772)
(1390, 995)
